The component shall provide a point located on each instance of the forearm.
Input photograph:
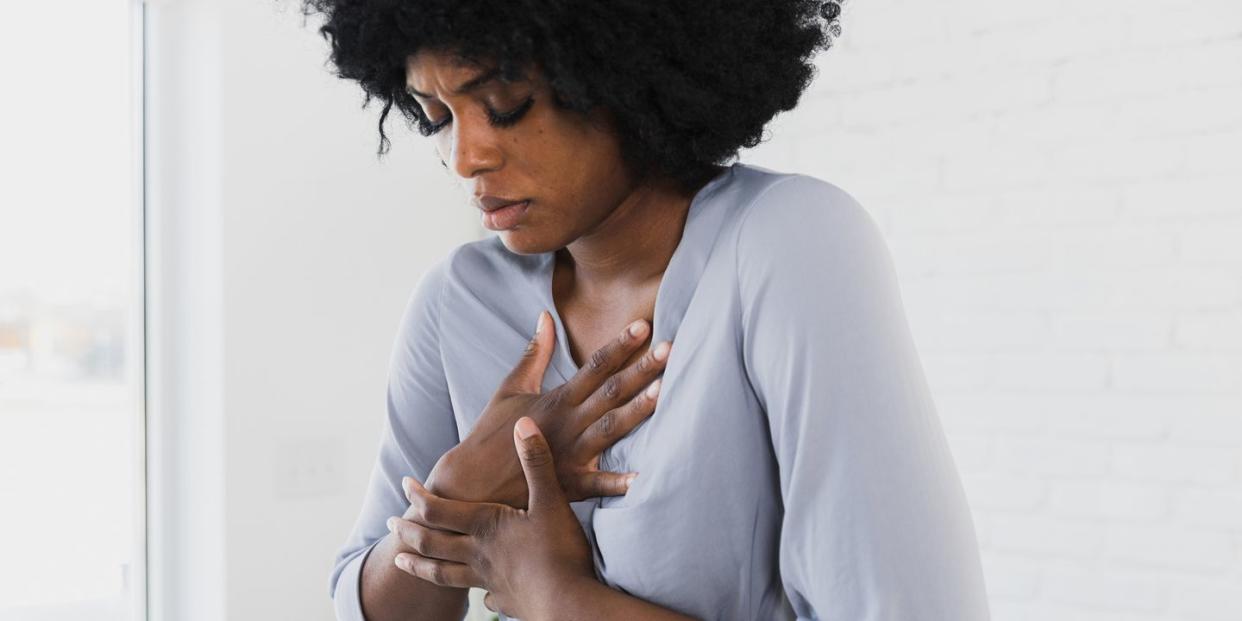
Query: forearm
(390, 593)
(591, 599)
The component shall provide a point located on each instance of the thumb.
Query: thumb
(537, 465)
(527, 375)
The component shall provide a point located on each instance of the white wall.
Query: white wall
(287, 256)
(1060, 184)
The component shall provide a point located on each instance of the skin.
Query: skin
(613, 235)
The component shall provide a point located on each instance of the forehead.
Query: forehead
(430, 57)
(449, 71)
(438, 63)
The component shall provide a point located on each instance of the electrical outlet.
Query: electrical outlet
(309, 467)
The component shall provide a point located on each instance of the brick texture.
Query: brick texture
(1060, 183)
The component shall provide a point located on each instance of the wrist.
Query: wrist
(458, 476)
(572, 597)
(443, 479)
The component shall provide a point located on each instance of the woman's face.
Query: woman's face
(569, 167)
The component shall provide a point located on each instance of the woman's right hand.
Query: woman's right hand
(580, 418)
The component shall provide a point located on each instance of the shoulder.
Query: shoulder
(793, 207)
(469, 268)
(485, 265)
(802, 222)
(479, 265)
(475, 276)
(472, 264)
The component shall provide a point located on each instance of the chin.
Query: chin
(525, 241)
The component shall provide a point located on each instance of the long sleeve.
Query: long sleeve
(876, 524)
(419, 428)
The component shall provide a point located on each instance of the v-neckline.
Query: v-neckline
(685, 266)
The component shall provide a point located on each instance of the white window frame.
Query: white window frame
(185, 513)
(137, 329)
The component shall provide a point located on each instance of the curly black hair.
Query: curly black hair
(689, 82)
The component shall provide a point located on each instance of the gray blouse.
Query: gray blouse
(794, 467)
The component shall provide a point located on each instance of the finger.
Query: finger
(620, 387)
(527, 375)
(540, 471)
(593, 484)
(495, 603)
(614, 424)
(443, 573)
(605, 361)
(442, 513)
(432, 543)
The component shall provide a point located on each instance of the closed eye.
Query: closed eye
(497, 119)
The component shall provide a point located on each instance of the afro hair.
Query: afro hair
(688, 82)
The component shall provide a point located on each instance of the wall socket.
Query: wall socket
(309, 467)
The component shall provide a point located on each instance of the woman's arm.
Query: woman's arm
(419, 428)
(389, 593)
(876, 523)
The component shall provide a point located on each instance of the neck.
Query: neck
(633, 245)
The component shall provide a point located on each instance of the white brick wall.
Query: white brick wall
(1061, 185)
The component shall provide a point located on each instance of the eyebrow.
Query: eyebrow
(470, 85)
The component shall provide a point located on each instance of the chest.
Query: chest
(699, 528)
(593, 322)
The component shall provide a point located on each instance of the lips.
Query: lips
(489, 202)
(506, 217)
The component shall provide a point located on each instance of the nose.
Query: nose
(473, 148)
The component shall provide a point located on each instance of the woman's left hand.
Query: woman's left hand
(523, 558)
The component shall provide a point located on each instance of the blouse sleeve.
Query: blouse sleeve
(418, 429)
(876, 524)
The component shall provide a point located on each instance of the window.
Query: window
(71, 313)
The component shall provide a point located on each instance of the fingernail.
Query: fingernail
(406, 485)
(630, 480)
(525, 427)
(389, 524)
(539, 322)
(653, 389)
(638, 327)
(661, 350)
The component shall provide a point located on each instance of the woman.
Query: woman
(788, 459)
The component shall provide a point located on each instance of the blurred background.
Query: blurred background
(202, 265)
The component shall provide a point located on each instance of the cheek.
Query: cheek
(576, 176)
